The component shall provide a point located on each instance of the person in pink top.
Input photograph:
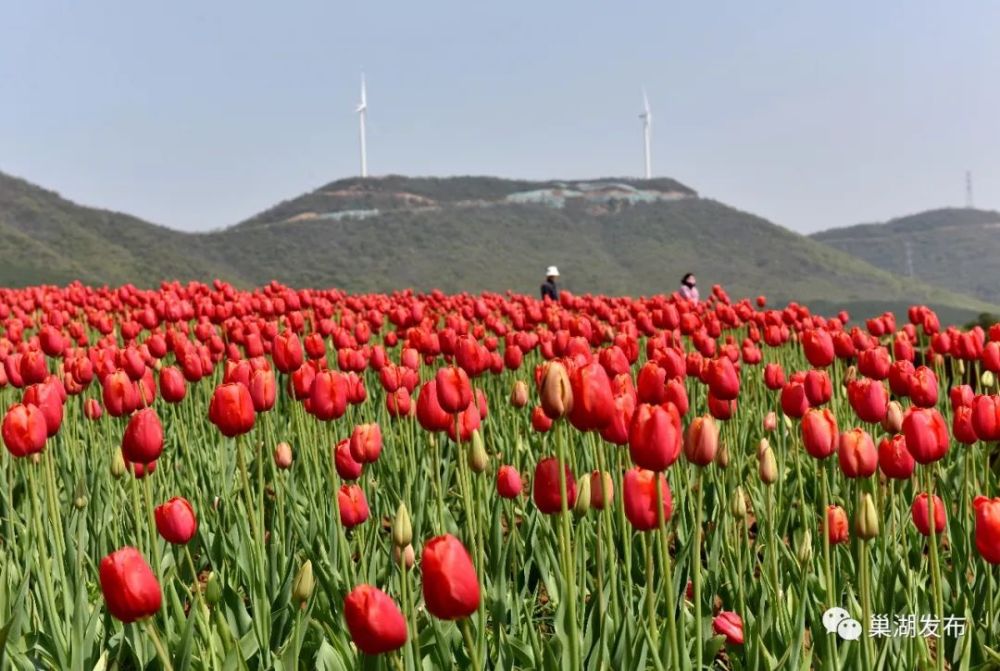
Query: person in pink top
(689, 288)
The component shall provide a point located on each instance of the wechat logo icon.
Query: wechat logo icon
(838, 621)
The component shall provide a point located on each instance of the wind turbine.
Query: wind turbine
(647, 127)
(362, 110)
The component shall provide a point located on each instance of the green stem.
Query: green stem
(939, 653)
(696, 568)
(161, 651)
(470, 644)
(566, 550)
(668, 577)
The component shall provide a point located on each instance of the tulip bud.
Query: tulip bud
(118, 467)
(738, 504)
(768, 467)
(804, 549)
(770, 421)
(582, 504)
(80, 496)
(722, 456)
(478, 459)
(893, 420)
(213, 590)
(866, 522)
(788, 422)
(851, 375)
(404, 554)
(556, 393)
(987, 379)
(283, 456)
(402, 530)
(519, 394)
(761, 446)
(961, 367)
(304, 584)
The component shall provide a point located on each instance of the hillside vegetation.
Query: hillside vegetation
(457, 234)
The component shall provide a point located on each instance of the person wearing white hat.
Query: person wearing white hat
(549, 288)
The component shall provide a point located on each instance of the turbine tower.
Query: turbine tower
(968, 189)
(362, 110)
(647, 127)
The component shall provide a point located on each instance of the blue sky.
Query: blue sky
(196, 115)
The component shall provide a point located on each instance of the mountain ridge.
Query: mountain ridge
(613, 235)
(955, 248)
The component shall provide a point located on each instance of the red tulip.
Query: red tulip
(651, 383)
(231, 409)
(454, 391)
(540, 422)
(353, 505)
(92, 409)
(702, 441)
(374, 620)
(263, 390)
(120, 394)
(34, 368)
(617, 431)
(986, 417)
(920, 510)
(793, 400)
(926, 434)
(450, 586)
(639, 497)
(655, 436)
(962, 427)
(924, 388)
(820, 436)
(143, 439)
(720, 409)
(328, 395)
(467, 421)
(730, 625)
(875, 363)
(722, 379)
(868, 398)
(176, 521)
(838, 528)
(347, 467)
(47, 398)
(894, 459)
(430, 414)
(547, 490)
(173, 388)
(818, 388)
(960, 395)
(818, 347)
(900, 377)
(130, 588)
(593, 404)
(366, 443)
(508, 482)
(287, 352)
(24, 430)
(774, 376)
(988, 528)
(857, 454)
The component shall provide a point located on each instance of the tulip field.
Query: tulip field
(201, 477)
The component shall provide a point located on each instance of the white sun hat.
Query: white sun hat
(552, 271)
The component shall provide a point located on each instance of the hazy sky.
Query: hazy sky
(196, 115)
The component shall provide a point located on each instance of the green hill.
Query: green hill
(614, 236)
(958, 249)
